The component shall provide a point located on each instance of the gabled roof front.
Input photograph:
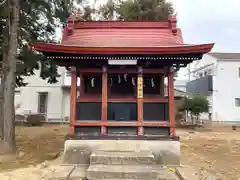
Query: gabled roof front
(122, 37)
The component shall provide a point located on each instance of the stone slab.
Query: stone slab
(121, 172)
(187, 173)
(80, 172)
(122, 158)
(61, 172)
(190, 173)
(68, 172)
(166, 174)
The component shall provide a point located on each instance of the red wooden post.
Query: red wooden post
(73, 96)
(140, 101)
(104, 98)
(171, 103)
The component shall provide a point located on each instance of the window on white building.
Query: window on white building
(238, 72)
(42, 102)
(237, 102)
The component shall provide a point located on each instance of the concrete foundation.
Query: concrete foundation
(165, 152)
(126, 160)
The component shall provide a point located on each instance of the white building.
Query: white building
(217, 76)
(180, 85)
(41, 97)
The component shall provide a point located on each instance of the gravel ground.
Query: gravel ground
(217, 151)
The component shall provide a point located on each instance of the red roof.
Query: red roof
(139, 34)
(123, 36)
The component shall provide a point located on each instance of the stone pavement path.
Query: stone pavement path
(69, 172)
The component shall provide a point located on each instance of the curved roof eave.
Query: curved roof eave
(171, 49)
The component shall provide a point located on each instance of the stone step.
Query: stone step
(122, 146)
(122, 158)
(123, 172)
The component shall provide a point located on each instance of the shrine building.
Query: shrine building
(122, 67)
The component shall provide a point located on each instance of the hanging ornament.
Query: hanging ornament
(119, 79)
(125, 77)
(152, 82)
(93, 82)
(133, 81)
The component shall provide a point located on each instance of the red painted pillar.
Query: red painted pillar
(140, 101)
(171, 103)
(104, 99)
(73, 96)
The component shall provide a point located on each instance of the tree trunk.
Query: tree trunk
(197, 120)
(9, 75)
(3, 68)
(192, 118)
(1, 105)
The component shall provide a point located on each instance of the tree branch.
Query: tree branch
(3, 2)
